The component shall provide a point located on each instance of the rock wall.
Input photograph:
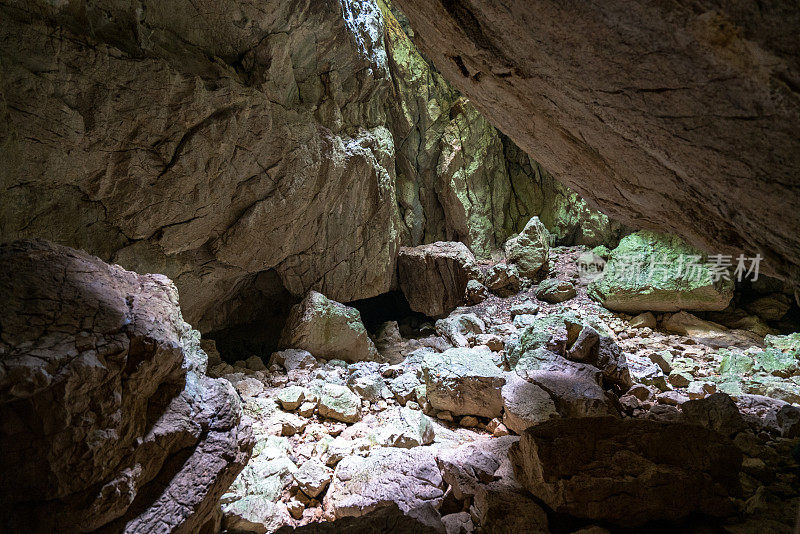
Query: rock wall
(208, 141)
(680, 117)
(251, 151)
(108, 418)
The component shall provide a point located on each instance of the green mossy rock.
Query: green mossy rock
(666, 288)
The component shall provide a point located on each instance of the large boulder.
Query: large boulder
(654, 272)
(530, 249)
(434, 277)
(595, 92)
(464, 381)
(328, 330)
(525, 404)
(408, 478)
(628, 471)
(108, 414)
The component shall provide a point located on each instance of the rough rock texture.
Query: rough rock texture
(328, 330)
(627, 472)
(458, 178)
(434, 277)
(525, 404)
(679, 117)
(251, 151)
(238, 150)
(409, 478)
(108, 418)
(529, 249)
(464, 381)
(655, 272)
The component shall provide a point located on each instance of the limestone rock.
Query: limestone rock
(339, 403)
(708, 333)
(572, 69)
(574, 395)
(505, 508)
(475, 292)
(628, 472)
(464, 382)
(409, 478)
(291, 359)
(313, 477)
(329, 330)
(653, 272)
(554, 291)
(529, 250)
(407, 428)
(503, 280)
(290, 398)
(717, 412)
(525, 404)
(273, 177)
(644, 320)
(458, 327)
(110, 383)
(434, 277)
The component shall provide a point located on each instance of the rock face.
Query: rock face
(328, 330)
(434, 277)
(627, 472)
(109, 419)
(249, 151)
(654, 272)
(595, 92)
(209, 143)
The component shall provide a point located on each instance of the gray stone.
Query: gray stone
(464, 382)
(409, 478)
(434, 277)
(628, 471)
(525, 404)
(338, 402)
(329, 330)
(554, 291)
(313, 477)
(503, 280)
(110, 383)
(530, 249)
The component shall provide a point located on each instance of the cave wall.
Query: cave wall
(250, 151)
(679, 117)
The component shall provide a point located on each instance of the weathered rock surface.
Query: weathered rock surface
(525, 404)
(654, 272)
(109, 419)
(464, 381)
(628, 472)
(679, 118)
(328, 330)
(434, 277)
(408, 478)
(554, 291)
(239, 150)
(529, 249)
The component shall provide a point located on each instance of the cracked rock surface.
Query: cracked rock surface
(109, 421)
(681, 118)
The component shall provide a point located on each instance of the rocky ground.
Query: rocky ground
(670, 405)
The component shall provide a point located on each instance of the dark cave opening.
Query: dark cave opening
(391, 306)
(261, 308)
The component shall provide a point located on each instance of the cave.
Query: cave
(400, 266)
